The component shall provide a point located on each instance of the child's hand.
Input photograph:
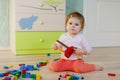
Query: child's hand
(55, 47)
(79, 51)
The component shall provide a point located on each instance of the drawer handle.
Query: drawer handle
(41, 40)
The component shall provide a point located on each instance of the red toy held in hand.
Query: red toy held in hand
(68, 51)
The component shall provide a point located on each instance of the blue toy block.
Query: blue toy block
(48, 54)
(6, 67)
(29, 67)
(22, 67)
(2, 74)
(12, 71)
(77, 76)
(28, 75)
(38, 66)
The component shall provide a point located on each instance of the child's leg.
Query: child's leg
(81, 67)
(60, 65)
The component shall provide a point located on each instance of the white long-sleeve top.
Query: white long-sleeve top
(78, 41)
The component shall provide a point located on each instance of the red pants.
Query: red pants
(71, 65)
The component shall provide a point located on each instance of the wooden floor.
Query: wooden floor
(109, 58)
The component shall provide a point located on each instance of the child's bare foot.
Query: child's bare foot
(98, 68)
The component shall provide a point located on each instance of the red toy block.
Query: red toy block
(21, 64)
(111, 74)
(7, 73)
(23, 71)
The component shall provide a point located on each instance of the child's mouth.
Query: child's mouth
(73, 29)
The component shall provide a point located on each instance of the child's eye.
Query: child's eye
(76, 24)
(70, 23)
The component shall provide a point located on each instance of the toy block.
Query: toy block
(38, 66)
(35, 68)
(28, 75)
(22, 67)
(23, 75)
(48, 54)
(21, 64)
(38, 77)
(77, 76)
(68, 77)
(33, 76)
(24, 71)
(10, 66)
(6, 67)
(12, 77)
(2, 74)
(7, 73)
(29, 67)
(15, 78)
(72, 78)
(42, 63)
(46, 60)
(17, 74)
(12, 71)
(111, 74)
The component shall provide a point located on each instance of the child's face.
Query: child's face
(73, 26)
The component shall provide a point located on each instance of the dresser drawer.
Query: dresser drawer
(36, 42)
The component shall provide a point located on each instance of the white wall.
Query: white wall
(4, 25)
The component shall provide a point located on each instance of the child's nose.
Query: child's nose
(73, 26)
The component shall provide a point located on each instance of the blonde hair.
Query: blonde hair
(76, 15)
